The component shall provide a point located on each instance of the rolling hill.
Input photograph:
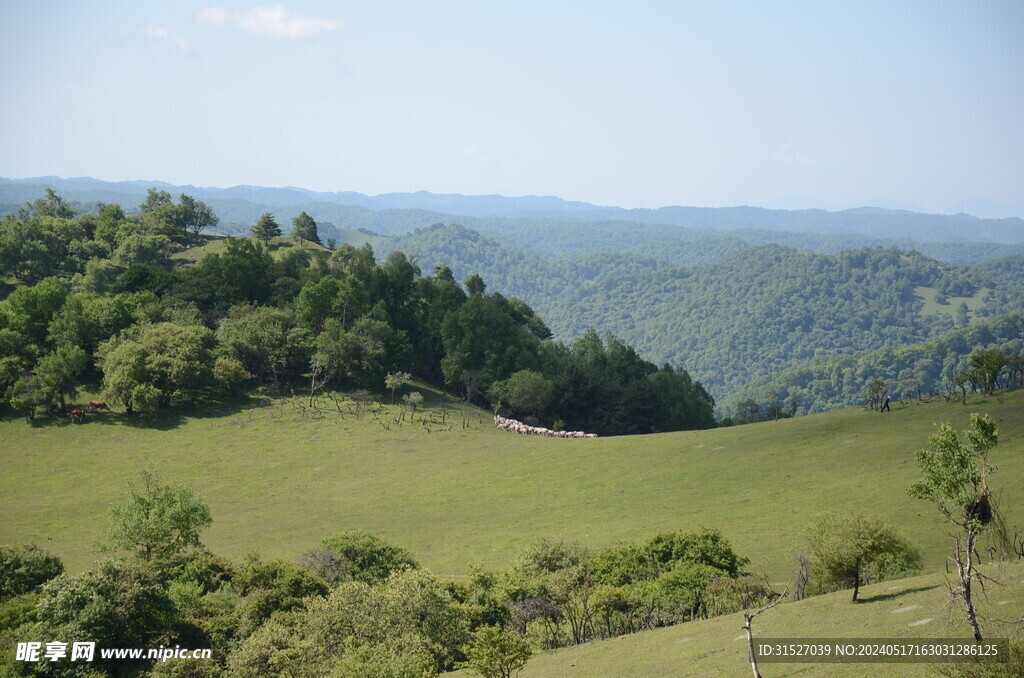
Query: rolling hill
(279, 480)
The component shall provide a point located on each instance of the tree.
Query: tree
(229, 374)
(157, 365)
(25, 395)
(986, 365)
(847, 550)
(155, 200)
(304, 227)
(263, 339)
(116, 604)
(413, 400)
(25, 568)
(475, 285)
(158, 520)
(496, 652)
(57, 374)
(52, 205)
(266, 228)
(956, 470)
(396, 380)
(526, 392)
(196, 216)
(357, 556)
(877, 391)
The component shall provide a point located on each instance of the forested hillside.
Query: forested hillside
(946, 366)
(748, 312)
(112, 300)
(764, 310)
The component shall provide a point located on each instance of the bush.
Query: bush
(357, 556)
(24, 568)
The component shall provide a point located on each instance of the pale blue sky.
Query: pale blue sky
(638, 104)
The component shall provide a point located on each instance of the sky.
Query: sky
(637, 104)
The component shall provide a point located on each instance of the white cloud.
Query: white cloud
(161, 36)
(275, 21)
(215, 16)
(791, 156)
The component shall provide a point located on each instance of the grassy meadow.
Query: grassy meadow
(279, 480)
(932, 307)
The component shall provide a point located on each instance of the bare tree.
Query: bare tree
(748, 619)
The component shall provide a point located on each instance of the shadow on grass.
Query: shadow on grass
(897, 594)
(163, 420)
(213, 408)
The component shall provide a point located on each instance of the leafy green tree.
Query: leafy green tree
(147, 250)
(405, 657)
(497, 652)
(115, 604)
(275, 649)
(158, 521)
(265, 229)
(357, 556)
(304, 227)
(364, 354)
(413, 400)
(396, 380)
(196, 216)
(229, 374)
(987, 365)
(527, 392)
(87, 320)
(50, 205)
(411, 609)
(956, 471)
(265, 340)
(155, 200)
(57, 374)
(318, 301)
(25, 568)
(29, 310)
(475, 285)
(272, 586)
(485, 340)
(157, 365)
(846, 551)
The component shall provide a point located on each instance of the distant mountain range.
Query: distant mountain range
(240, 205)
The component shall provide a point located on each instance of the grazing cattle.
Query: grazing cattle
(95, 405)
(77, 416)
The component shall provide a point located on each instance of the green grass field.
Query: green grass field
(931, 307)
(219, 245)
(279, 482)
(909, 608)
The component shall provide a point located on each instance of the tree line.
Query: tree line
(102, 300)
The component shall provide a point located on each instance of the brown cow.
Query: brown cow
(95, 405)
(77, 416)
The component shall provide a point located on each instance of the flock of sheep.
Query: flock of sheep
(517, 426)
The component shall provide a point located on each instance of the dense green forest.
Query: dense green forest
(101, 297)
(946, 366)
(797, 306)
